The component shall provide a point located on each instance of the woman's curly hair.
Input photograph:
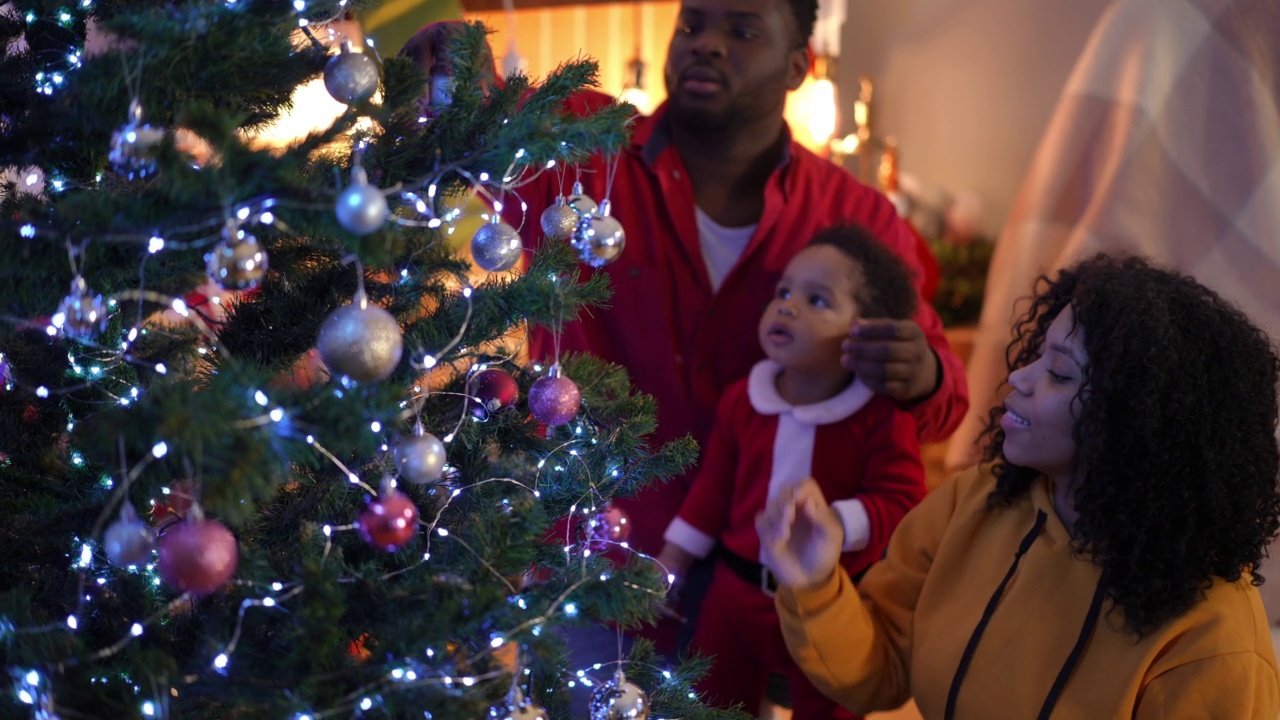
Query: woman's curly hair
(1176, 451)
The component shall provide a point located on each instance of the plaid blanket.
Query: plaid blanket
(1165, 143)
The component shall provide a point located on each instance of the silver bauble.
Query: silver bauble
(351, 76)
(237, 262)
(619, 699)
(82, 313)
(134, 146)
(441, 95)
(420, 458)
(559, 220)
(581, 202)
(496, 246)
(361, 207)
(361, 341)
(519, 708)
(599, 237)
(128, 541)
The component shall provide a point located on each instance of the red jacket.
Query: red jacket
(680, 342)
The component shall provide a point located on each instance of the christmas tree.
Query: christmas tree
(203, 520)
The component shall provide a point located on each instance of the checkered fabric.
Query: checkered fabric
(1165, 143)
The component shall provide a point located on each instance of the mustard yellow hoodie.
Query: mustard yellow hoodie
(1039, 654)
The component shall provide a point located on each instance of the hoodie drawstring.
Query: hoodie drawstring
(1069, 666)
(1073, 658)
(969, 649)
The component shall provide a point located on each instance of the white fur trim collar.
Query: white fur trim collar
(763, 393)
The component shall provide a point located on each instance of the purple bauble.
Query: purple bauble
(610, 526)
(554, 400)
(491, 390)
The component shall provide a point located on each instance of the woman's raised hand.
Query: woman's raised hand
(800, 536)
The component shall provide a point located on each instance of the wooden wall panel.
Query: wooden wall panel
(608, 32)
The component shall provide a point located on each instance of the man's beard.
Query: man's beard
(701, 120)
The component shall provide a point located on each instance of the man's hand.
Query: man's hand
(893, 358)
(800, 536)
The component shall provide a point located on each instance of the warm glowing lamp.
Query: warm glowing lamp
(633, 90)
(813, 109)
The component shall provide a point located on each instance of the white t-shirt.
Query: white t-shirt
(721, 246)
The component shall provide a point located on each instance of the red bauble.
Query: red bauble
(176, 503)
(389, 522)
(608, 527)
(197, 556)
(491, 390)
(554, 400)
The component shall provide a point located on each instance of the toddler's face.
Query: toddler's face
(811, 311)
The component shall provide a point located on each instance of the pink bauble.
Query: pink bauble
(554, 400)
(389, 522)
(197, 556)
(492, 390)
(608, 527)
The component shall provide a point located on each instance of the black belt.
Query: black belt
(751, 572)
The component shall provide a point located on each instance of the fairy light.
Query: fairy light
(155, 244)
(276, 415)
(375, 426)
(260, 398)
(159, 450)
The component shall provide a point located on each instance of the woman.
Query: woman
(1099, 565)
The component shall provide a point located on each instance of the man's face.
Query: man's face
(732, 61)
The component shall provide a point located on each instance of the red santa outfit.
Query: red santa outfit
(862, 450)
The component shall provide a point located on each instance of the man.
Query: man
(715, 198)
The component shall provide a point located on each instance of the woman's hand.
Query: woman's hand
(800, 536)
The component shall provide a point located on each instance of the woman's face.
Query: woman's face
(1040, 411)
